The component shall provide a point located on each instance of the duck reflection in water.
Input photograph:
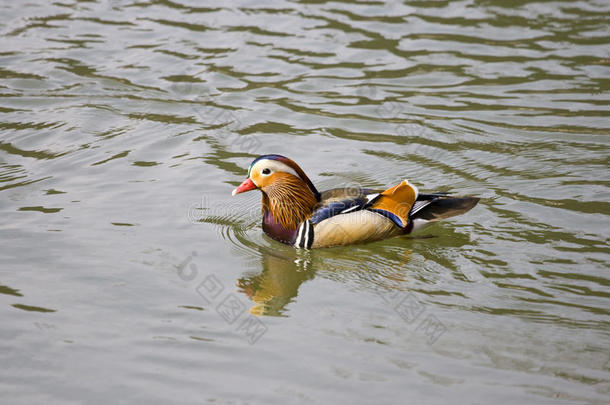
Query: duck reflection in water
(284, 270)
(278, 283)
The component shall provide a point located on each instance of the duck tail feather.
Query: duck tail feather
(445, 207)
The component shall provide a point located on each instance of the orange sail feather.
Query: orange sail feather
(397, 200)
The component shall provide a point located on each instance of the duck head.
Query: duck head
(288, 195)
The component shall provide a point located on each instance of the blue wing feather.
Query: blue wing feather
(336, 208)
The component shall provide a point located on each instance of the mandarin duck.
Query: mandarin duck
(296, 213)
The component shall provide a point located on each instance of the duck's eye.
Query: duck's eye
(266, 171)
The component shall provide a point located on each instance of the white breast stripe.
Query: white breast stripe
(310, 235)
(306, 238)
(297, 241)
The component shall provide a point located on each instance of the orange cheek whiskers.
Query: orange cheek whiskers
(289, 200)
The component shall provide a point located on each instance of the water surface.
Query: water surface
(129, 273)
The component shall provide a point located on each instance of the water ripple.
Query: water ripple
(133, 109)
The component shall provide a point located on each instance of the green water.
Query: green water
(128, 273)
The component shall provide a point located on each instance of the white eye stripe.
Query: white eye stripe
(274, 166)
